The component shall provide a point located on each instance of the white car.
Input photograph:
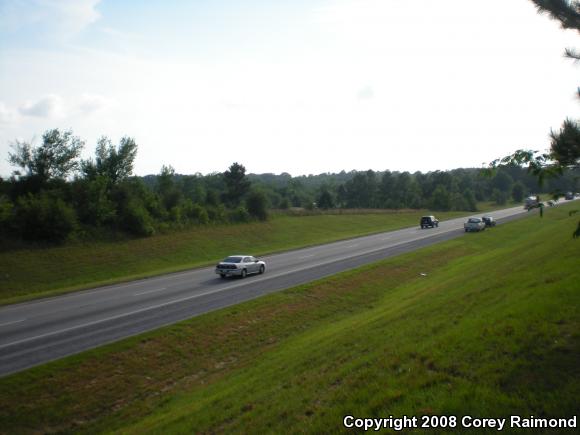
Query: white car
(474, 224)
(240, 265)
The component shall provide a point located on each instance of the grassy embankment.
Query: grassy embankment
(37, 272)
(493, 329)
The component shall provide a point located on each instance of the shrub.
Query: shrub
(6, 209)
(44, 217)
(240, 214)
(217, 213)
(518, 191)
(441, 200)
(500, 197)
(92, 203)
(136, 220)
(197, 213)
(257, 205)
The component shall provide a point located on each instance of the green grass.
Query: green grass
(38, 272)
(492, 330)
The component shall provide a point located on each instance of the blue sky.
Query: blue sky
(299, 87)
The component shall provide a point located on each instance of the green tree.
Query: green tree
(564, 153)
(470, 202)
(567, 13)
(167, 189)
(565, 144)
(325, 200)
(92, 202)
(441, 200)
(502, 181)
(136, 220)
(386, 189)
(237, 184)
(56, 157)
(113, 163)
(500, 197)
(44, 217)
(518, 191)
(257, 205)
(6, 210)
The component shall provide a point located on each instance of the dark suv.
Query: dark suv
(429, 221)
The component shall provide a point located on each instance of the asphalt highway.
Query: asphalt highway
(36, 332)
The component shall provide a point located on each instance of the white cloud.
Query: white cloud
(90, 103)
(56, 18)
(7, 115)
(366, 93)
(50, 106)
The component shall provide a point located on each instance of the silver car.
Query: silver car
(474, 224)
(240, 265)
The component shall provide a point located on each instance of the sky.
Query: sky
(302, 87)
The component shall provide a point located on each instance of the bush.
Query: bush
(240, 214)
(6, 209)
(136, 220)
(284, 204)
(176, 214)
(92, 203)
(325, 200)
(44, 217)
(217, 213)
(257, 205)
(441, 200)
(470, 200)
(518, 191)
(197, 213)
(499, 197)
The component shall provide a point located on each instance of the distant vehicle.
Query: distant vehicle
(240, 265)
(429, 221)
(474, 224)
(551, 203)
(569, 196)
(532, 202)
(489, 221)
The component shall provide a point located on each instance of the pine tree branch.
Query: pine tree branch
(567, 12)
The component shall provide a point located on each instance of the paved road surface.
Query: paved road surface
(40, 331)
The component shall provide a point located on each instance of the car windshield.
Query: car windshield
(233, 260)
(474, 220)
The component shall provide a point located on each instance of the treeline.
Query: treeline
(55, 194)
(458, 189)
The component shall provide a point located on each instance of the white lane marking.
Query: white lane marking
(12, 323)
(352, 246)
(176, 301)
(150, 291)
(457, 221)
(151, 280)
(306, 256)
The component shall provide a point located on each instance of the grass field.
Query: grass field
(485, 325)
(37, 272)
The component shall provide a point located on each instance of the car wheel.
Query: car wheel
(244, 273)
(262, 268)
(222, 275)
